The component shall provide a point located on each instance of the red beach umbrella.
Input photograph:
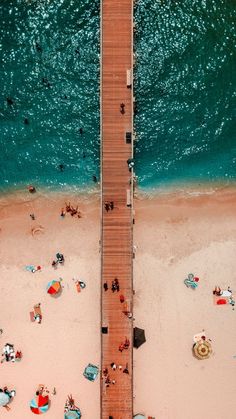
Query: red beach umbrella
(40, 404)
(53, 287)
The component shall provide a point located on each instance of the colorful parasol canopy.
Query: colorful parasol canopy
(40, 404)
(53, 287)
(4, 399)
(202, 349)
(72, 414)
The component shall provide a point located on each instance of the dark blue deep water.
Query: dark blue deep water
(185, 87)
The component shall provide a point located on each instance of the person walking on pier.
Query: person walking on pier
(122, 108)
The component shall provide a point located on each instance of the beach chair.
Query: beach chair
(190, 284)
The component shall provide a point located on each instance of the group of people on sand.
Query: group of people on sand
(73, 211)
(9, 354)
(70, 405)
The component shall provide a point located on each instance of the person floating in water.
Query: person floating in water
(61, 167)
(95, 179)
(46, 82)
(10, 101)
(26, 121)
(38, 47)
(81, 131)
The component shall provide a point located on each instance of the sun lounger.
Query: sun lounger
(32, 319)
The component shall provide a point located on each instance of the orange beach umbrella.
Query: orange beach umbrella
(53, 287)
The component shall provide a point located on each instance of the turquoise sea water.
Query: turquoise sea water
(50, 69)
(185, 90)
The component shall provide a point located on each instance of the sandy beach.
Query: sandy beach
(176, 235)
(56, 351)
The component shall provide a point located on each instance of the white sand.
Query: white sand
(56, 351)
(175, 237)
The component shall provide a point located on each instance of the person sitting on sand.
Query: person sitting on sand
(31, 189)
(63, 213)
(217, 291)
(60, 258)
(68, 207)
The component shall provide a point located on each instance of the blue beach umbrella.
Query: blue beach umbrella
(4, 399)
(73, 414)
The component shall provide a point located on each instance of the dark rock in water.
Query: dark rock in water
(10, 101)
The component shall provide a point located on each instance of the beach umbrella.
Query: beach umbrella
(4, 399)
(138, 416)
(40, 404)
(139, 337)
(53, 287)
(72, 414)
(202, 349)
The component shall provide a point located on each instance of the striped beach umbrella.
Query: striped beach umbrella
(40, 404)
(202, 349)
(53, 287)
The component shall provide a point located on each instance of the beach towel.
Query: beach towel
(220, 301)
(190, 284)
(32, 319)
(30, 268)
(78, 286)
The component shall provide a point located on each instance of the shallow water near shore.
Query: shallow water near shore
(184, 88)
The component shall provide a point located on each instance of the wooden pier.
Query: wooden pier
(117, 223)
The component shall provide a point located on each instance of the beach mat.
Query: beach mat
(218, 300)
(32, 316)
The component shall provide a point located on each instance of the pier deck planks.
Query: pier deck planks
(116, 237)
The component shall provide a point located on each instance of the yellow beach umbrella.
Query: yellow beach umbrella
(202, 349)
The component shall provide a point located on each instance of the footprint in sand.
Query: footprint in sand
(37, 230)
